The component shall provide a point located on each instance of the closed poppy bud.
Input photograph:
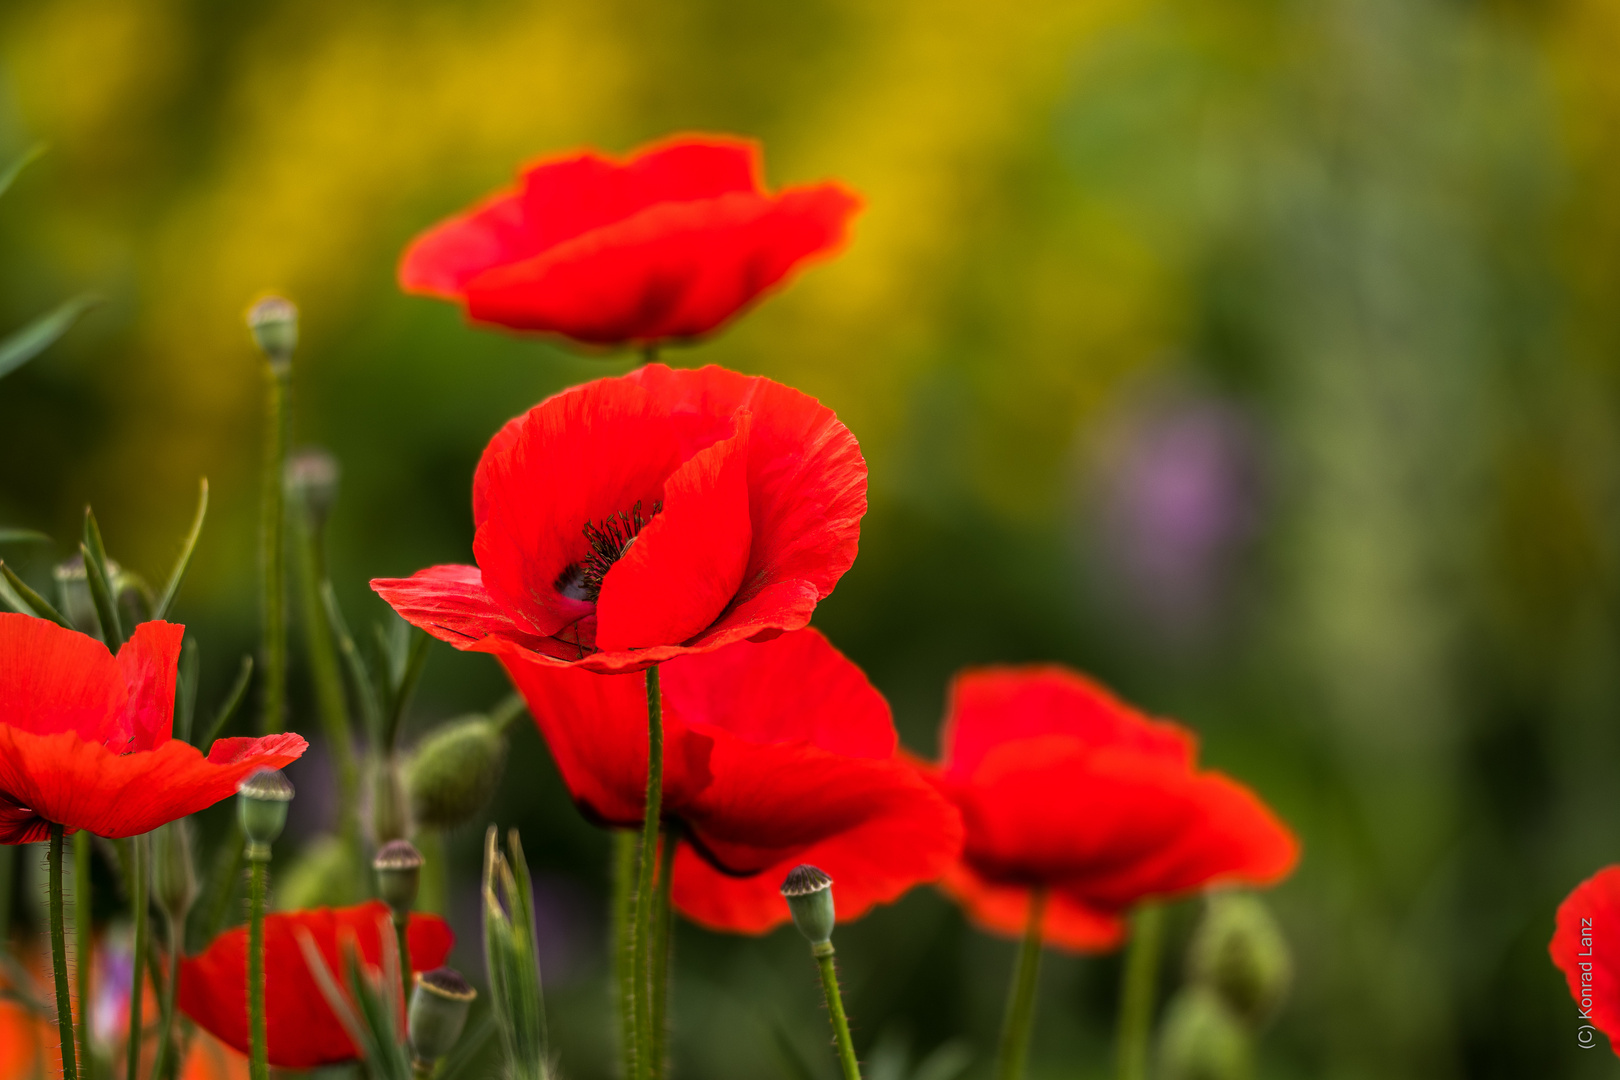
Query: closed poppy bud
(312, 481)
(274, 324)
(261, 805)
(809, 896)
(399, 873)
(174, 880)
(454, 771)
(1202, 1040)
(438, 1012)
(1239, 952)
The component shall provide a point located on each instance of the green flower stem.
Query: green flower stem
(835, 1010)
(1136, 995)
(624, 943)
(139, 901)
(273, 543)
(644, 931)
(401, 925)
(175, 928)
(83, 946)
(1020, 1018)
(258, 1051)
(662, 948)
(326, 674)
(64, 1002)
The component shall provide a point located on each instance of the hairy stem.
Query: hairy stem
(401, 925)
(1136, 994)
(175, 928)
(624, 943)
(662, 949)
(83, 946)
(645, 1069)
(258, 1050)
(1020, 1018)
(835, 1011)
(139, 901)
(64, 1002)
(326, 674)
(273, 542)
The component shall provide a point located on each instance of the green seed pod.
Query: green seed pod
(274, 324)
(1202, 1040)
(438, 1012)
(399, 874)
(174, 879)
(261, 803)
(809, 897)
(1239, 951)
(312, 482)
(454, 771)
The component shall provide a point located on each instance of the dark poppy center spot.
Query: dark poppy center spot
(609, 539)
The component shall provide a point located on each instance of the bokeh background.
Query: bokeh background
(1261, 357)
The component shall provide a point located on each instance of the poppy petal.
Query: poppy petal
(994, 705)
(683, 569)
(579, 458)
(149, 663)
(1584, 948)
(912, 841)
(56, 679)
(65, 780)
(441, 260)
(301, 1031)
(740, 690)
(451, 603)
(1067, 922)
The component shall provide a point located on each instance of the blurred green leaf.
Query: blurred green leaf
(29, 156)
(23, 536)
(31, 603)
(178, 575)
(100, 580)
(233, 700)
(37, 336)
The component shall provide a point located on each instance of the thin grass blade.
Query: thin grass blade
(178, 575)
(233, 701)
(28, 601)
(33, 339)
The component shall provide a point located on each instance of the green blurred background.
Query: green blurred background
(1261, 357)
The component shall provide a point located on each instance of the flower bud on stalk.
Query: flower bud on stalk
(311, 479)
(1239, 952)
(1202, 1039)
(438, 1013)
(273, 322)
(399, 874)
(262, 808)
(808, 891)
(454, 770)
(174, 879)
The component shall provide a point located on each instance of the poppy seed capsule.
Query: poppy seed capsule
(454, 771)
(399, 873)
(809, 896)
(1239, 952)
(174, 881)
(438, 1012)
(274, 323)
(1202, 1040)
(312, 481)
(261, 804)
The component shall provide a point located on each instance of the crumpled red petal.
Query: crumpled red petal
(63, 779)
(1585, 948)
(301, 1031)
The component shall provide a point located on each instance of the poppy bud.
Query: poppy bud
(312, 481)
(399, 874)
(274, 324)
(261, 805)
(1202, 1040)
(438, 1012)
(174, 881)
(453, 771)
(1239, 952)
(809, 896)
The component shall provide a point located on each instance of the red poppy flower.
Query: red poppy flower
(85, 737)
(301, 1031)
(670, 243)
(1063, 786)
(633, 519)
(1586, 948)
(774, 754)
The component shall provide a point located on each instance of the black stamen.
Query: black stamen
(609, 540)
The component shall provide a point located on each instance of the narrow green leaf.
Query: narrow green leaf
(365, 688)
(232, 701)
(178, 575)
(95, 572)
(23, 536)
(404, 684)
(471, 1042)
(9, 175)
(25, 344)
(32, 602)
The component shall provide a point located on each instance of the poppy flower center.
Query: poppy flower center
(609, 539)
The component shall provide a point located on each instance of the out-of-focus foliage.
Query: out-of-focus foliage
(1259, 356)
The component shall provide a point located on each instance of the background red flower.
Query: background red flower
(1063, 786)
(669, 243)
(633, 519)
(85, 738)
(300, 1029)
(1586, 948)
(775, 753)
